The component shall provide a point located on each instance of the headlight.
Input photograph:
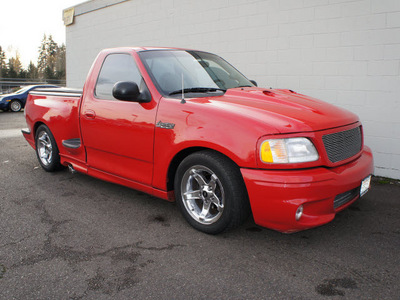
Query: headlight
(292, 150)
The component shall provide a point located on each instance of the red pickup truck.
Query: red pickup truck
(186, 126)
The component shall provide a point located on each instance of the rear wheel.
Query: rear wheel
(46, 149)
(15, 105)
(210, 192)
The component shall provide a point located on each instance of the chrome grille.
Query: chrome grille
(342, 199)
(342, 145)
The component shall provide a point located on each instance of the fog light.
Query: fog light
(299, 212)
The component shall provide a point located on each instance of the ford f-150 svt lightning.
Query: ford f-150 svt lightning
(186, 126)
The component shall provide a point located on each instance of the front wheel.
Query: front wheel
(210, 192)
(15, 105)
(46, 149)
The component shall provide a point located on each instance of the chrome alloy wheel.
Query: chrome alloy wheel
(202, 194)
(44, 148)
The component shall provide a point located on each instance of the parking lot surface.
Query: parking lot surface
(70, 236)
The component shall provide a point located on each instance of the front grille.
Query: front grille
(342, 145)
(342, 199)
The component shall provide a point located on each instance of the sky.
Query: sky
(24, 22)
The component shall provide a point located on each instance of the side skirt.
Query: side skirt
(128, 183)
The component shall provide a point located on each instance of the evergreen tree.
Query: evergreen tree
(17, 65)
(60, 62)
(52, 48)
(22, 74)
(12, 73)
(51, 61)
(48, 73)
(32, 71)
(42, 59)
(3, 64)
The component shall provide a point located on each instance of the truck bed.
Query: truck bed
(54, 107)
(62, 91)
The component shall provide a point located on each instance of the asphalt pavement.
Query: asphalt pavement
(70, 236)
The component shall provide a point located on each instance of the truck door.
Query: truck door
(118, 135)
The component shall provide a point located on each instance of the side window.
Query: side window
(116, 67)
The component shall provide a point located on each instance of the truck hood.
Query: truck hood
(285, 110)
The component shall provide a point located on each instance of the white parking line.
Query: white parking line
(7, 133)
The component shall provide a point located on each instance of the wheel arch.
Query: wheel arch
(180, 156)
(53, 158)
(36, 126)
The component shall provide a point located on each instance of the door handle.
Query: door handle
(89, 114)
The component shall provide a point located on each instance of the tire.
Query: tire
(15, 106)
(210, 192)
(46, 149)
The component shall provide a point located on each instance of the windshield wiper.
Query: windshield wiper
(197, 90)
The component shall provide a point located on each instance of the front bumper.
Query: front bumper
(275, 195)
(4, 104)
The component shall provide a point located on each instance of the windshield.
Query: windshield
(202, 72)
(23, 90)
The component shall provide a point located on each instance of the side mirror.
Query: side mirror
(126, 91)
(254, 82)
